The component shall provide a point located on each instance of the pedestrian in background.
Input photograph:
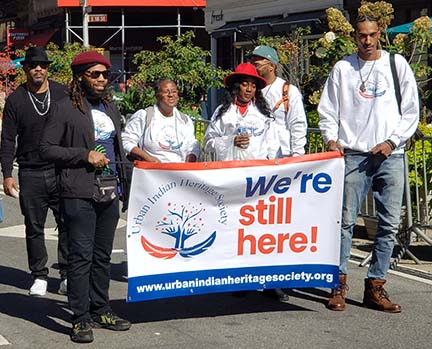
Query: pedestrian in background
(285, 102)
(360, 116)
(161, 133)
(23, 118)
(82, 137)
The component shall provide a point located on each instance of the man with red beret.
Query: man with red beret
(82, 137)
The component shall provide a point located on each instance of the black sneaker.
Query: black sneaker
(82, 332)
(110, 321)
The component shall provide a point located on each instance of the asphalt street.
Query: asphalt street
(207, 321)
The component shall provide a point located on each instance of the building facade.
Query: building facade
(234, 26)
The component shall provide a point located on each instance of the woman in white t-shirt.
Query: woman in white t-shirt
(242, 127)
(161, 133)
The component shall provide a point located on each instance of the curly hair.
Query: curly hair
(77, 94)
(233, 90)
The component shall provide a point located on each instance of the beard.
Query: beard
(90, 92)
(36, 81)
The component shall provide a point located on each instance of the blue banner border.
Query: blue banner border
(197, 282)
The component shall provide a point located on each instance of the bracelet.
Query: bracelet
(391, 144)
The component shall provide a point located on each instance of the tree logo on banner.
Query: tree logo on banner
(180, 224)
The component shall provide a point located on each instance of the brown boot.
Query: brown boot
(337, 298)
(376, 297)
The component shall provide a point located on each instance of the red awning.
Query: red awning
(136, 3)
(38, 39)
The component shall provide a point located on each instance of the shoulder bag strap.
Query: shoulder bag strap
(395, 81)
(149, 116)
(284, 99)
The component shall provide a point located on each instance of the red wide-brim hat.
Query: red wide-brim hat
(245, 69)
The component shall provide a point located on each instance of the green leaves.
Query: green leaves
(179, 60)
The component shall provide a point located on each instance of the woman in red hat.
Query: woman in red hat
(242, 126)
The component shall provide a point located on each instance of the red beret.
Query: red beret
(90, 57)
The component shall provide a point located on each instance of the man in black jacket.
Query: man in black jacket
(82, 137)
(24, 116)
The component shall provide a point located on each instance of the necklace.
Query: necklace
(45, 103)
(242, 108)
(363, 82)
(269, 87)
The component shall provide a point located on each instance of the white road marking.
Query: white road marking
(402, 274)
(18, 231)
(3, 341)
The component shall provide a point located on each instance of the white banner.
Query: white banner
(237, 225)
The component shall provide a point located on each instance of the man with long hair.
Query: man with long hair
(82, 137)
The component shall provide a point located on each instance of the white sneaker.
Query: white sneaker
(63, 287)
(39, 288)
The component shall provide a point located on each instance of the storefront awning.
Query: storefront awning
(37, 40)
(228, 29)
(135, 3)
(403, 28)
(269, 25)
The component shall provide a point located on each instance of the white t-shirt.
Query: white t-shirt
(219, 137)
(291, 128)
(169, 139)
(358, 119)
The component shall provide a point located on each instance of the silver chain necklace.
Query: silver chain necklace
(46, 101)
(363, 82)
(269, 87)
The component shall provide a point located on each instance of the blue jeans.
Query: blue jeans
(386, 177)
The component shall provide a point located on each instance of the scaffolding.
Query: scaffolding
(120, 30)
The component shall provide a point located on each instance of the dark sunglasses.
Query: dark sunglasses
(43, 65)
(96, 73)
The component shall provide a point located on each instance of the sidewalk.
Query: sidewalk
(362, 245)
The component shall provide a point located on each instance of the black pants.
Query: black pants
(38, 192)
(91, 227)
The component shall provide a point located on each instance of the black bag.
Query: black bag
(105, 188)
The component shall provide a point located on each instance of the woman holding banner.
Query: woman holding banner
(161, 133)
(242, 127)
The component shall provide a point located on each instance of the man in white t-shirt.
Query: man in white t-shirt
(360, 116)
(285, 102)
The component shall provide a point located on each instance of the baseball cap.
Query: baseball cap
(266, 52)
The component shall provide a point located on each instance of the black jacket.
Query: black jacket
(67, 139)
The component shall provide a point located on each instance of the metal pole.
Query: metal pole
(178, 23)
(213, 92)
(85, 23)
(123, 47)
(68, 38)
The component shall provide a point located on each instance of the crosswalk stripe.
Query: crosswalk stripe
(3, 341)
(18, 231)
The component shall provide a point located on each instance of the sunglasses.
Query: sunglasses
(260, 65)
(33, 65)
(96, 73)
